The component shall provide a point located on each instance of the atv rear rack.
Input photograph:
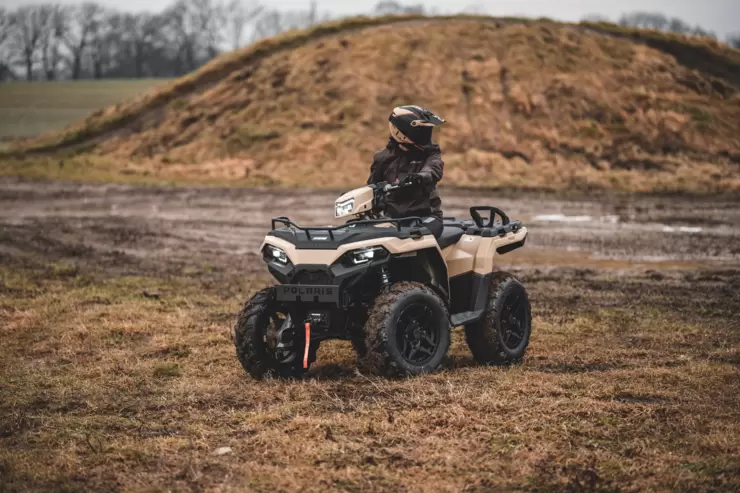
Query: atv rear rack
(330, 229)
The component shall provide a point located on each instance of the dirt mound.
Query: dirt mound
(529, 104)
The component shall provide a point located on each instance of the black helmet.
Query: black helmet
(412, 126)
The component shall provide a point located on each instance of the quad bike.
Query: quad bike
(389, 287)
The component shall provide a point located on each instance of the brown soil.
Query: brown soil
(189, 224)
(530, 104)
(117, 370)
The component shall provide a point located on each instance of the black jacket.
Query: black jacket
(392, 164)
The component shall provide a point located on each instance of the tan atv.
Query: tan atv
(388, 286)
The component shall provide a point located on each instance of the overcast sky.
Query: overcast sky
(720, 16)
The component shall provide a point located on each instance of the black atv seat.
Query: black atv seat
(450, 235)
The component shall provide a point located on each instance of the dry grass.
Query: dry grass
(704, 54)
(117, 380)
(532, 104)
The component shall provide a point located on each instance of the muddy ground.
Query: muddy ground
(117, 371)
(174, 226)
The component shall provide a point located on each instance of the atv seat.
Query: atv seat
(450, 235)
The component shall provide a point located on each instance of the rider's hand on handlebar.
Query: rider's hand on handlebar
(411, 180)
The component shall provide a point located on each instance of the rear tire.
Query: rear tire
(502, 336)
(253, 334)
(407, 332)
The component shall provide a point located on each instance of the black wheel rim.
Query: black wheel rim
(283, 346)
(271, 331)
(417, 334)
(514, 320)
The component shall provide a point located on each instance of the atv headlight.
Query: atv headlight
(276, 254)
(344, 208)
(366, 255)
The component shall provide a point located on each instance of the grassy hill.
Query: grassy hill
(530, 104)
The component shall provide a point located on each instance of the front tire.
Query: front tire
(255, 340)
(407, 332)
(502, 336)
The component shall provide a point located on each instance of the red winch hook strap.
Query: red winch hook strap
(308, 343)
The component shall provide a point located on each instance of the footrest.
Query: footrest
(464, 318)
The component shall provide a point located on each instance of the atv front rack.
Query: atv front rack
(398, 223)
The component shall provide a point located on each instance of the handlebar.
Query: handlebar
(390, 187)
(381, 191)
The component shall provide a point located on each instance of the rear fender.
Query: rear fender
(471, 266)
(489, 248)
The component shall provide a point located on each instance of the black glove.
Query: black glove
(412, 180)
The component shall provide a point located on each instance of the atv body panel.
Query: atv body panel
(331, 278)
(458, 265)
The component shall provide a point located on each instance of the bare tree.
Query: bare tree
(699, 31)
(105, 43)
(139, 35)
(313, 14)
(29, 22)
(82, 20)
(195, 30)
(392, 7)
(388, 7)
(209, 23)
(734, 40)
(656, 21)
(268, 24)
(595, 18)
(676, 25)
(653, 20)
(238, 15)
(300, 19)
(7, 27)
(50, 44)
(273, 22)
(644, 20)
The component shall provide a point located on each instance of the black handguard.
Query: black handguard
(412, 180)
(379, 196)
(381, 191)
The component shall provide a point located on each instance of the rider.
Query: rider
(412, 160)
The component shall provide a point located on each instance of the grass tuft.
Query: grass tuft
(167, 370)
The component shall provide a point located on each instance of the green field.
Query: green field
(32, 108)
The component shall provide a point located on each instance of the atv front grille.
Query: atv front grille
(313, 277)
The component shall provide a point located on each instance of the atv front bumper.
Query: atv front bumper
(306, 293)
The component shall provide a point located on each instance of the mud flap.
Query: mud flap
(473, 288)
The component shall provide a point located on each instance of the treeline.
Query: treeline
(53, 41)
(660, 22)
(90, 41)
